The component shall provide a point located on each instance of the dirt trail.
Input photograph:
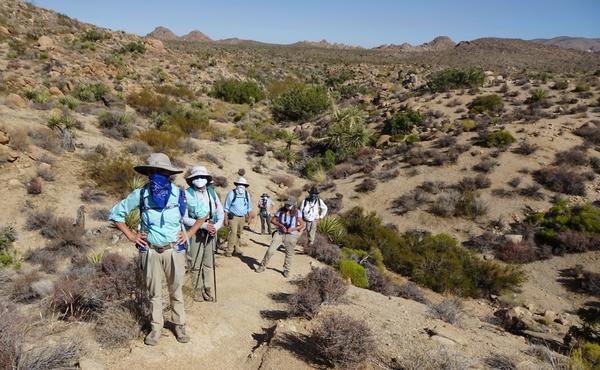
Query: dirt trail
(223, 333)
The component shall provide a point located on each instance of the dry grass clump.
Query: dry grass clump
(283, 180)
(367, 185)
(342, 341)
(112, 173)
(116, 326)
(486, 165)
(421, 355)
(561, 179)
(410, 290)
(46, 174)
(448, 310)
(92, 195)
(526, 148)
(209, 157)
(139, 148)
(498, 361)
(323, 250)
(34, 186)
(24, 288)
(321, 286)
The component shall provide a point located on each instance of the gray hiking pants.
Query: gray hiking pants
(311, 230)
(289, 242)
(265, 223)
(200, 262)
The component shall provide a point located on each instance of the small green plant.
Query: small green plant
(112, 173)
(300, 102)
(237, 91)
(454, 78)
(8, 256)
(499, 139)
(37, 96)
(332, 227)
(538, 95)
(582, 87)
(468, 124)
(90, 92)
(346, 133)
(149, 103)
(134, 47)
(94, 258)
(132, 219)
(68, 101)
(136, 182)
(486, 104)
(94, 35)
(116, 121)
(402, 122)
(586, 357)
(350, 269)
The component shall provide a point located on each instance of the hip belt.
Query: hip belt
(161, 249)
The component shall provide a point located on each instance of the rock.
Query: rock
(15, 101)
(550, 316)
(411, 81)
(45, 167)
(383, 141)
(518, 319)
(55, 91)
(45, 43)
(4, 31)
(14, 183)
(155, 44)
(4, 138)
(513, 238)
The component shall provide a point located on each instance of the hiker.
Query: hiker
(161, 239)
(238, 206)
(204, 243)
(288, 220)
(313, 209)
(265, 208)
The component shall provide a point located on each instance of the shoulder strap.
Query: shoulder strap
(142, 205)
(182, 201)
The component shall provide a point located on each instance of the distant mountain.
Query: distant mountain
(165, 34)
(162, 33)
(323, 44)
(578, 43)
(437, 44)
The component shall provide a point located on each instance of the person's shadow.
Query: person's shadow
(251, 262)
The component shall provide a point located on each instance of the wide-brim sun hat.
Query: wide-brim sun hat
(241, 181)
(264, 195)
(157, 161)
(313, 190)
(291, 201)
(198, 171)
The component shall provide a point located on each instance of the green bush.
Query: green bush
(357, 274)
(332, 228)
(116, 122)
(93, 35)
(468, 124)
(8, 236)
(373, 256)
(162, 141)
(112, 173)
(346, 133)
(237, 91)
(188, 122)
(582, 87)
(402, 122)
(37, 96)
(90, 92)
(134, 47)
(179, 91)
(454, 78)
(486, 103)
(435, 261)
(586, 357)
(300, 102)
(500, 139)
(146, 102)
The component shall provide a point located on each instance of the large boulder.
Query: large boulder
(55, 91)
(15, 101)
(45, 43)
(4, 31)
(155, 45)
(383, 141)
(4, 138)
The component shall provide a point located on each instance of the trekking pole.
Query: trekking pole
(214, 250)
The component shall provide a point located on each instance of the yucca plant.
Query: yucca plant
(136, 182)
(539, 95)
(332, 227)
(132, 220)
(94, 258)
(346, 132)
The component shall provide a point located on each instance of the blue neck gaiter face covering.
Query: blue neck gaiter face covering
(160, 189)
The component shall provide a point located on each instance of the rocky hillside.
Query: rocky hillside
(578, 43)
(463, 185)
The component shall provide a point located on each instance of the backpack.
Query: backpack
(213, 194)
(317, 203)
(181, 202)
(293, 220)
(235, 195)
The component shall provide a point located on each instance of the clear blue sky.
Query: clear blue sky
(367, 22)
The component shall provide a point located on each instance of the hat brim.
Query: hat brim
(147, 170)
(239, 183)
(194, 177)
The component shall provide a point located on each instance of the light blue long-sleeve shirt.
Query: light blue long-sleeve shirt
(204, 197)
(242, 205)
(162, 226)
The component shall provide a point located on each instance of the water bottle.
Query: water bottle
(181, 247)
(141, 248)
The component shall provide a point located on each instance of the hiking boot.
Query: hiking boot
(260, 268)
(238, 254)
(198, 296)
(228, 254)
(207, 295)
(152, 338)
(180, 334)
(286, 273)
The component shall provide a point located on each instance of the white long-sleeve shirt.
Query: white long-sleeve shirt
(312, 211)
(204, 198)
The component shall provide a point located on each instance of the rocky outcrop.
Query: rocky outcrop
(162, 33)
(195, 36)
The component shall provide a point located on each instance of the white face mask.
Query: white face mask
(240, 189)
(199, 183)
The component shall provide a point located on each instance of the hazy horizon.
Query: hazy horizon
(351, 22)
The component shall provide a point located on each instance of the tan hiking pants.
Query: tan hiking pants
(201, 261)
(289, 242)
(236, 226)
(311, 230)
(169, 264)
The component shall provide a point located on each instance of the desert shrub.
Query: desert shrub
(576, 156)
(11, 337)
(560, 85)
(410, 290)
(162, 141)
(537, 96)
(187, 122)
(237, 91)
(332, 227)
(486, 165)
(435, 261)
(134, 47)
(300, 102)
(46, 173)
(63, 355)
(499, 139)
(115, 124)
(320, 286)
(590, 132)
(586, 357)
(453, 203)
(343, 341)
(567, 228)
(209, 157)
(454, 78)
(468, 124)
(526, 148)
(22, 287)
(522, 252)
(448, 310)
(402, 122)
(179, 91)
(344, 136)
(409, 201)
(561, 179)
(112, 173)
(474, 183)
(323, 250)
(500, 362)
(353, 271)
(378, 281)
(94, 35)
(532, 191)
(486, 103)
(581, 87)
(73, 297)
(367, 185)
(220, 181)
(34, 186)
(92, 195)
(147, 102)
(116, 326)
(90, 92)
(283, 180)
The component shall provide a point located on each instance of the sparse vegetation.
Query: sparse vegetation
(239, 92)
(454, 78)
(487, 104)
(320, 286)
(499, 139)
(300, 103)
(91, 92)
(402, 122)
